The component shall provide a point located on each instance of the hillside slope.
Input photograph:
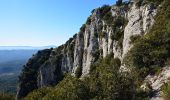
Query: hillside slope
(127, 31)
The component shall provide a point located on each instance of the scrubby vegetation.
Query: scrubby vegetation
(134, 38)
(78, 72)
(5, 96)
(151, 51)
(83, 27)
(38, 94)
(105, 82)
(119, 2)
(69, 89)
(166, 91)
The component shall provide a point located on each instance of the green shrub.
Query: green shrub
(102, 34)
(83, 27)
(118, 33)
(107, 83)
(69, 89)
(119, 2)
(166, 91)
(120, 21)
(78, 72)
(103, 10)
(155, 1)
(134, 38)
(96, 54)
(38, 94)
(88, 22)
(108, 18)
(6, 96)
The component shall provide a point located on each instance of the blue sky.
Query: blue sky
(43, 22)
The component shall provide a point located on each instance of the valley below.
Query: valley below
(11, 63)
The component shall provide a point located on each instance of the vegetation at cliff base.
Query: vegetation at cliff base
(105, 82)
(6, 96)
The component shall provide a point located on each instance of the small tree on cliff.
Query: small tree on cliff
(119, 2)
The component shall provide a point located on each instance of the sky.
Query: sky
(43, 22)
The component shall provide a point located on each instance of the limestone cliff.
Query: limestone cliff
(107, 30)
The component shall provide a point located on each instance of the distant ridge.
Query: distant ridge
(25, 47)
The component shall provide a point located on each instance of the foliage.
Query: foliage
(69, 89)
(38, 94)
(5, 96)
(134, 38)
(83, 27)
(155, 1)
(88, 22)
(152, 50)
(78, 72)
(118, 33)
(107, 83)
(166, 91)
(119, 2)
(102, 34)
(104, 10)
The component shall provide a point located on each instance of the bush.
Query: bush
(107, 83)
(69, 89)
(166, 91)
(38, 94)
(78, 72)
(88, 22)
(119, 2)
(6, 96)
(134, 38)
(102, 34)
(83, 27)
(103, 10)
(155, 1)
(118, 33)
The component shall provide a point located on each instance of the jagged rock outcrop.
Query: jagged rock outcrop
(107, 30)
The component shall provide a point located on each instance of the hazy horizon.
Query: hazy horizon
(42, 22)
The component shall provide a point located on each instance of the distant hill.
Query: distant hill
(11, 55)
(11, 61)
(25, 47)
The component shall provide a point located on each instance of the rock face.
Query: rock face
(96, 39)
(157, 81)
(140, 21)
